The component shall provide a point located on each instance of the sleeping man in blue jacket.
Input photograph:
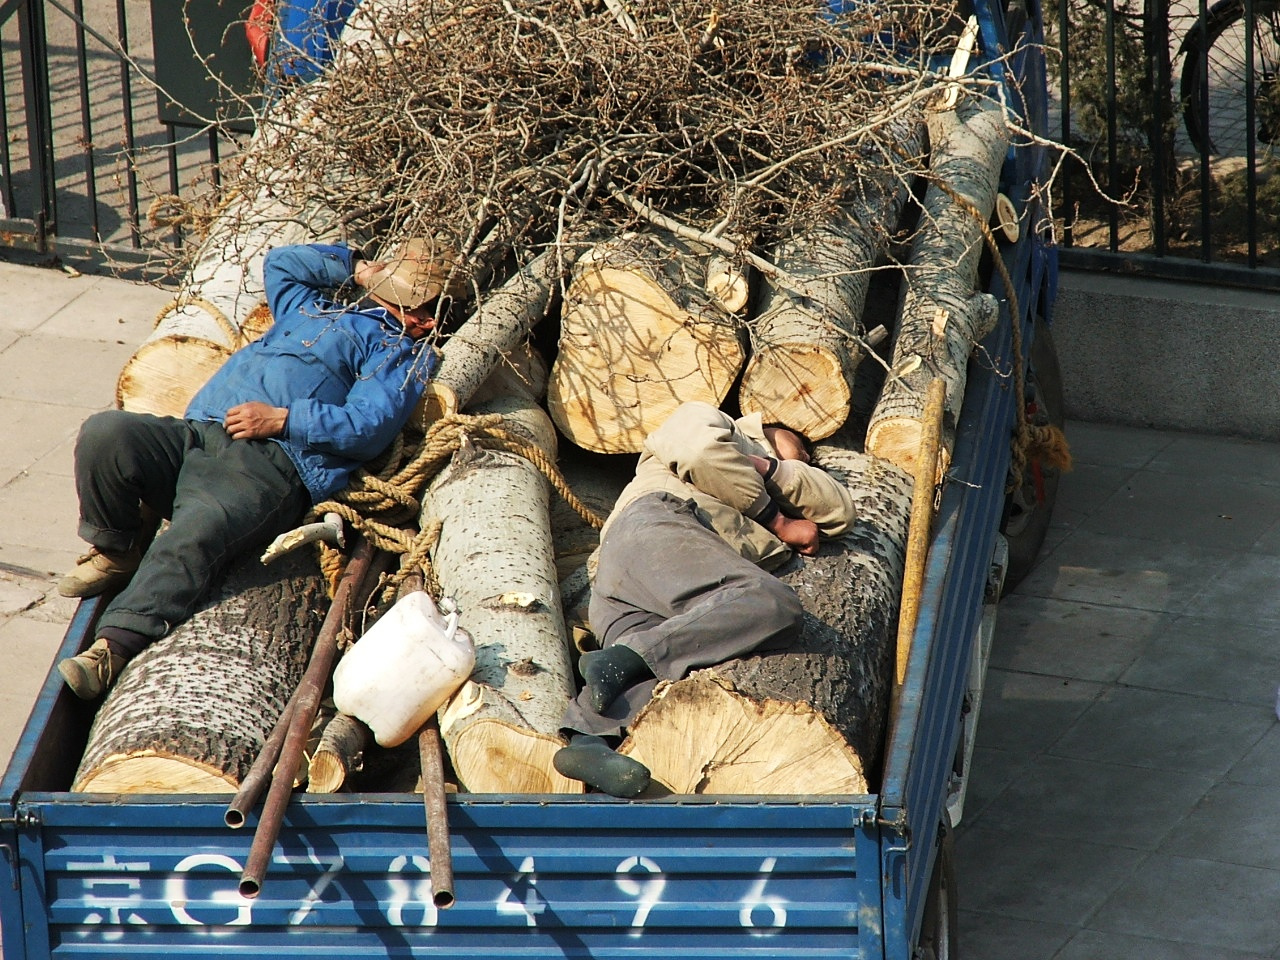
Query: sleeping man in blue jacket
(281, 426)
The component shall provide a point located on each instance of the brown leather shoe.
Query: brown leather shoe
(97, 572)
(90, 674)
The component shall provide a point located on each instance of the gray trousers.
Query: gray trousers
(674, 592)
(223, 497)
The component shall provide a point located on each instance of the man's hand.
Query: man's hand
(255, 421)
(365, 271)
(800, 535)
(788, 443)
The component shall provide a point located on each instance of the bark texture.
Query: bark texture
(805, 349)
(941, 316)
(189, 714)
(494, 337)
(495, 558)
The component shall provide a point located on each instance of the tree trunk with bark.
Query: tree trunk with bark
(941, 316)
(190, 713)
(805, 349)
(807, 716)
(495, 558)
(495, 335)
(339, 753)
(639, 335)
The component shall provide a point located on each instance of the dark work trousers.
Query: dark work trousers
(223, 497)
(673, 591)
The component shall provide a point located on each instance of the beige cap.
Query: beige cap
(419, 271)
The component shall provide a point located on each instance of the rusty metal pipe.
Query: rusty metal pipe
(258, 775)
(308, 695)
(433, 802)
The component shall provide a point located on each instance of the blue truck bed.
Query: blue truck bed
(684, 877)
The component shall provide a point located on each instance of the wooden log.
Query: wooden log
(497, 333)
(805, 350)
(639, 335)
(728, 283)
(807, 716)
(223, 286)
(494, 558)
(163, 374)
(940, 315)
(190, 713)
(339, 753)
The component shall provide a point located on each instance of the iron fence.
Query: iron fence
(1171, 110)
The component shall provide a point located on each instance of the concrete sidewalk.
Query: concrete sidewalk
(63, 340)
(1125, 792)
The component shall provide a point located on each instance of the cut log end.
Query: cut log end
(742, 747)
(629, 355)
(897, 439)
(147, 772)
(163, 375)
(339, 754)
(502, 758)
(801, 385)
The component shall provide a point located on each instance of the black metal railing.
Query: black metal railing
(88, 141)
(1172, 113)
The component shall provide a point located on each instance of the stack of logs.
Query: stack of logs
(648, 320)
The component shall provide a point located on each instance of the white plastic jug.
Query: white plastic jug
(404, 667)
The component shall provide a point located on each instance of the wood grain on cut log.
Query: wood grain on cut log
(494, 557)
(494, 335)
(163, 375)
(940, 315)
(639, 335)
(808, 715)
(339, 753)
(189, 714)
(805, 350)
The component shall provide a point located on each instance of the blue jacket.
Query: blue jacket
(349, 376)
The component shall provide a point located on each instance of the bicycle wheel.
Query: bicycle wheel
(1213, 56)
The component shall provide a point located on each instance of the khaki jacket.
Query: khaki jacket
(700, 453)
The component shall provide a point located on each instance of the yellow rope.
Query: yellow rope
(382, 499)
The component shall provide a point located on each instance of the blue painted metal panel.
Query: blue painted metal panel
(534, 878)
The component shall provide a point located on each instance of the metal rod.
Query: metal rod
(308, 700)
(437, 812)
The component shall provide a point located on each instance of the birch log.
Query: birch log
(941, 316)
(804, 350)
(495, 334)
(495, 558)
(808, 715)
(639, 335)
(189, 714)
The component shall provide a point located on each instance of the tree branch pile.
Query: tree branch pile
(512, 125)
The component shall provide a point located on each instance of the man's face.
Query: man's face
(418, 323)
